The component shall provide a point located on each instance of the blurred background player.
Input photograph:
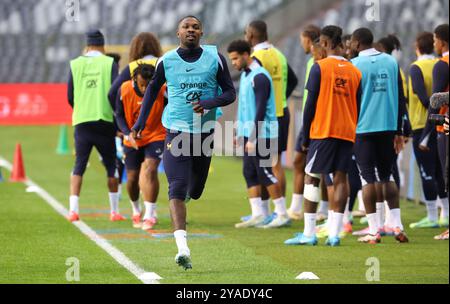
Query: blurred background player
(441, 84)
(378, 140)
(329, 130)
(93, 118)
(307, 38)
(258, 127)
(189, 117)
(142, 157)
(144, 48)
(420, 91)
(284, 81)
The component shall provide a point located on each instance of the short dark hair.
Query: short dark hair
(145, 70)
(364, 36)
(311, 31)
(425, 43)
(441, 32)
(240, 46)
(190, 16)
(334, 33)
(260, 28)
(390, 43)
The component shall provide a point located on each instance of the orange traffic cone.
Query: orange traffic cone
(18, 172)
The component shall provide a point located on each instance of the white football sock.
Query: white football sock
(388, 221)
(373, 223)
(336, 226)
(255, 204)
(396, 219)
(136, 207)
(296, 203)
(323, 207)
(380, 215)
(73, 202)
(150, 210)
(114, 201)
(265, 207)
(310, 224)
(181, 240)
(361, 206)
(347, 217)
(432, 210)
(444, 210)
(330, 219)
(280, 206)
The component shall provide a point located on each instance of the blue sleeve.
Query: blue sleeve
(117, 83)
(114, 73)
(418, 85)
(120, 114)
(150, 96)
(313, 87)
(440, 77)
(228, 95)
(262, 94)
(70, 89)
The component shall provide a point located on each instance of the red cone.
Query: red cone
(18, 172)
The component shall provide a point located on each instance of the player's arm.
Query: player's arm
(440, 83)
(120, 114)
(123, 76)
(150, 96)
(418, 85)
(403, 126)
(261, 87)
(440, 77)
(228, 95)
(292, 82)
(114, 73)
(313, 87)
(70, 89)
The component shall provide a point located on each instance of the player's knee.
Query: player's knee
(178, 189)
(311, 192)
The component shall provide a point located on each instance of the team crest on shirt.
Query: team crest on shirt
(169, 146)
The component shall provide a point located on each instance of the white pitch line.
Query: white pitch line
(119, 256)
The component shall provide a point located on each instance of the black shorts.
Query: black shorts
(134, 158)
(98, 134)
(186, 164)
(328, 156)
(283, 130)
(298, 143)
(375, 156)
(257, 169)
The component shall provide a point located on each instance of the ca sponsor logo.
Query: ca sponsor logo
(193, 96)
(91, 84)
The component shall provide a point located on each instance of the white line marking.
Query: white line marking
(119, 256)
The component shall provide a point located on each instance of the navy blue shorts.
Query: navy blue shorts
(134, 158)
(98, 134)
(186, 164)
(328, 156)
(283, 130)
(257, 169)
(432, 178)
(375, 156)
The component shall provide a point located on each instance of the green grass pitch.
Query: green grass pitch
(36, 241)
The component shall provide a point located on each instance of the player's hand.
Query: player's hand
(119, 134)
(399, 143)
(132, 139)
(250, 147)
(198, 108)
